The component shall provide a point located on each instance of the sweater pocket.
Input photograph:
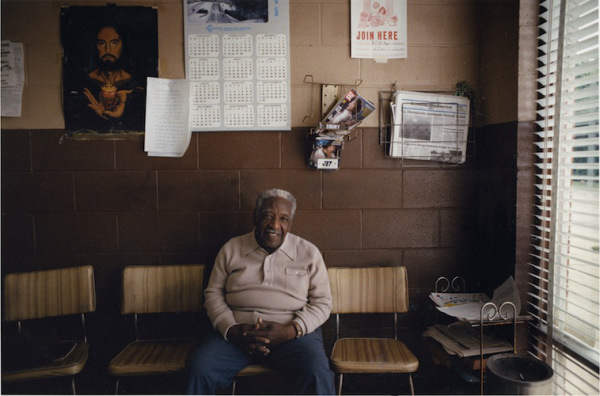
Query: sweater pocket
(296, 281)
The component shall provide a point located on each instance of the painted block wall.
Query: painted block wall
(108, 204)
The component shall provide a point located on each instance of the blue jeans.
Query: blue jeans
(301, 362)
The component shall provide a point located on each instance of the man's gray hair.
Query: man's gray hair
(273, 193)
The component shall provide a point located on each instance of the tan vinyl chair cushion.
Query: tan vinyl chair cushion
(72, 364)
(372, 355)
(152, 357)
(369, 290)
(42, 294)
(162, 288)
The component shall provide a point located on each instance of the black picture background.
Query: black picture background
(139, 31)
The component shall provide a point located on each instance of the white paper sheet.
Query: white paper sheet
(167, 117)
(13, 78)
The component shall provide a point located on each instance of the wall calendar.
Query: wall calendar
(237, 62)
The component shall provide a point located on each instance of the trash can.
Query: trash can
(511, 374)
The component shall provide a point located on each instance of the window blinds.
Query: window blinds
(564, 266)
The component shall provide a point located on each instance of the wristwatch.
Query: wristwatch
(299, 332)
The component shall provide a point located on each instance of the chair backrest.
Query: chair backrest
(162, 289)
(369, 290)
(48, 293)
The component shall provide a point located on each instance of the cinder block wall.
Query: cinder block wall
(108, 204)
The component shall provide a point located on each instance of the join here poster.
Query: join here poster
(378, 29)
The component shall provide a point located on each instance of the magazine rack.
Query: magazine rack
(342, 110)
(487, 320)
(490, 314)
(315, 117)
(443, 285)
(414, 141)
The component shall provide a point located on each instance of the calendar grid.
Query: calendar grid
(239, 72)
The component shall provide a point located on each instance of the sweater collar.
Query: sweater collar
(288, 247)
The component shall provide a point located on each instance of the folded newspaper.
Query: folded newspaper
(463, 340)
(429, 127)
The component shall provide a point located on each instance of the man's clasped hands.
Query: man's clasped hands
(260, 337)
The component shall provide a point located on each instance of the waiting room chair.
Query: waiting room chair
(251, 371)
(158, 289)
(36, 299)
(370, 290)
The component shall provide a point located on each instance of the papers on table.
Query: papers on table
(452, 299)
(467, 306)
(463, 340)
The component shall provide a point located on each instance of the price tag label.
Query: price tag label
(328, 163)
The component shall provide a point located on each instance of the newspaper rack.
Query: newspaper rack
(490, 314)
(456, 284)
(315, 117)
(414, 133)
(488, 320)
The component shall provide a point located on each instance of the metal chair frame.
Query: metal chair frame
(25, 315)
(337, 335)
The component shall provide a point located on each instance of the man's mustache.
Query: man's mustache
(108, 57)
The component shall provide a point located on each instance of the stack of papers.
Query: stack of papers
(467, 306)
(452, 299)
(463, 340)
(429, 126)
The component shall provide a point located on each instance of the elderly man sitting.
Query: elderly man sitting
(267, 296)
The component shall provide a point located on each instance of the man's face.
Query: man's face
(273, 223)
(329, 149)
(352, 105)
(109, 45)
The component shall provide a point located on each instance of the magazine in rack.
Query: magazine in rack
(429, 126)
(328, 142)
(347, 114)
(326, 152)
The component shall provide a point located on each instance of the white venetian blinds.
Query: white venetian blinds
(564, 269)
